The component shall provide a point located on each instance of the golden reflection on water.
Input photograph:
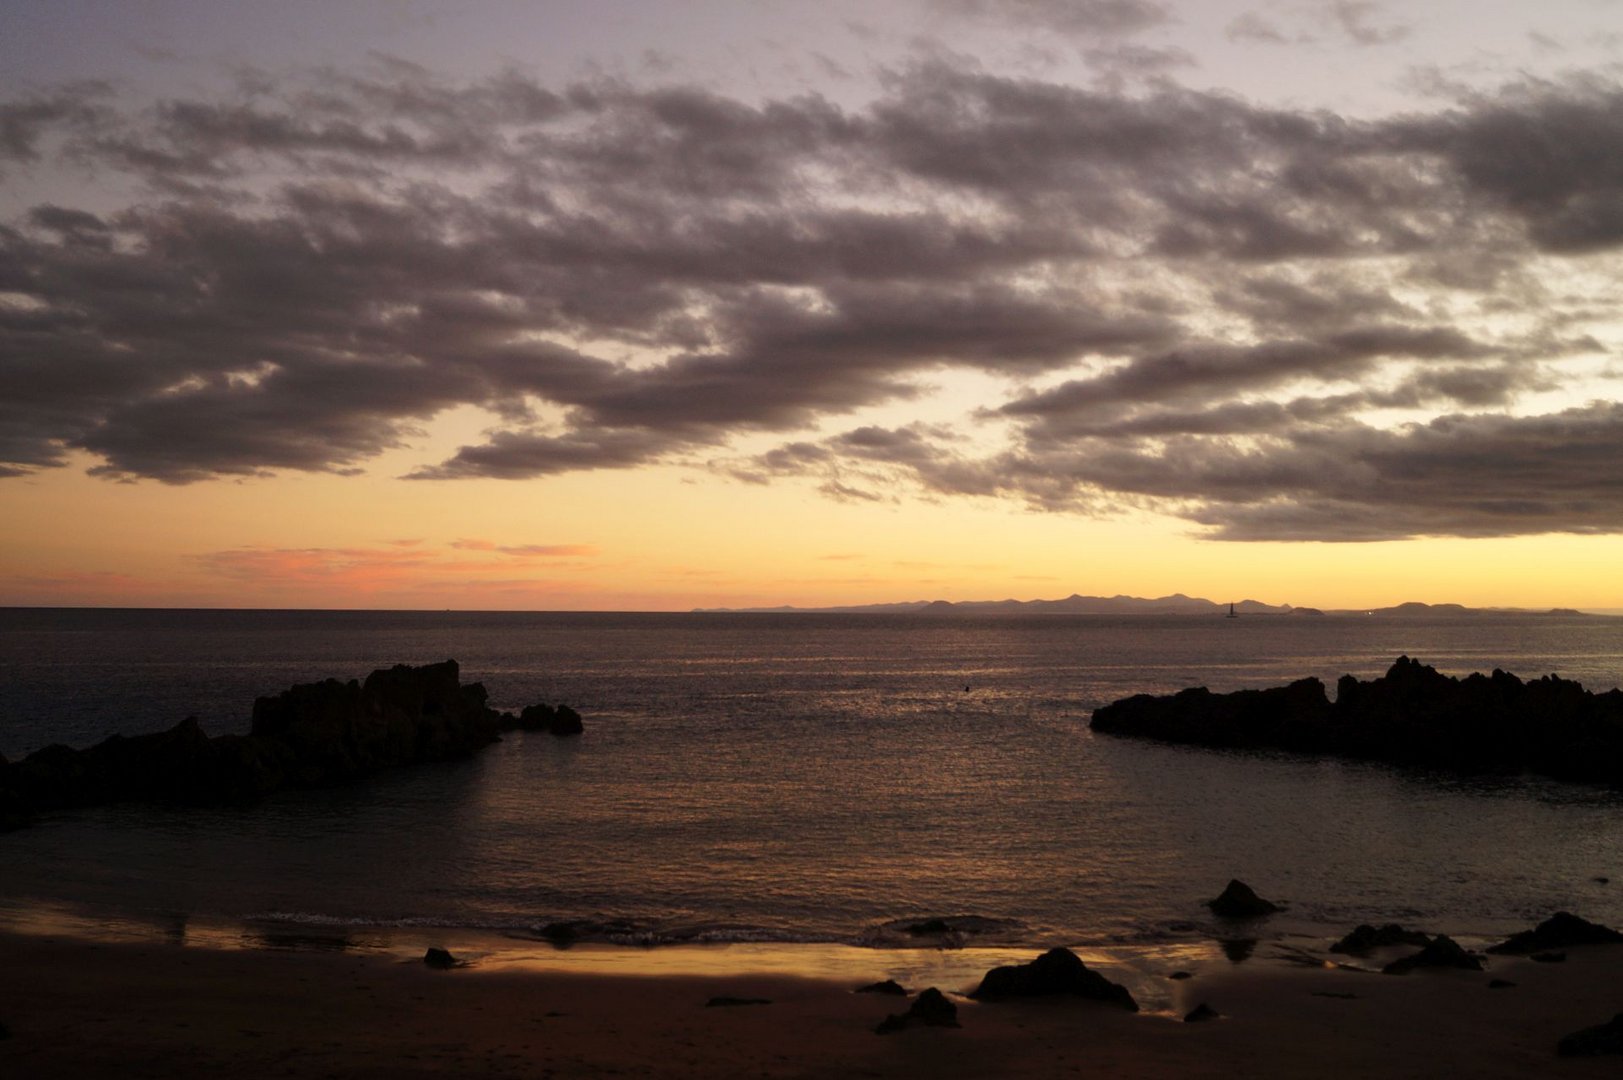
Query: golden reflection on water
(1143, 969)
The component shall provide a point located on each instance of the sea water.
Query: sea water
(806, 778)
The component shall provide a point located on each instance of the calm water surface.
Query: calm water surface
(808, 778)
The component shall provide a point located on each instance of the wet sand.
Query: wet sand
(85, 1008)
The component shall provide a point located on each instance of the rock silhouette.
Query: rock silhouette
(310, 735)
(1055, 972)
(930, 1009)
(1441, 951)
(1559, 931)
(1239, 901)
(1366, 939)
(1412, 716)
(440, 959)
(890, 987)
(1201, 1013)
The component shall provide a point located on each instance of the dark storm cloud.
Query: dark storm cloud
(1181, 293)
(516, 454)
(1458, 475)
(1455, 476)
(27, 121)
(1215, 370)
(1546, 155)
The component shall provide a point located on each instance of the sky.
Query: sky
(651, 306)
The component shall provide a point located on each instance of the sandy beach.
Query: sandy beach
(85, 1008)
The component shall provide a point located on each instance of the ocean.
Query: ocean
(805, 778)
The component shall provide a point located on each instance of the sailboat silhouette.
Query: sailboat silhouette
(1232, 613)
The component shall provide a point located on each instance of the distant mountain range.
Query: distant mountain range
(1176, 604)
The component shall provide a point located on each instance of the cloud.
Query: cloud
(525, 550)
(1253, 26)
(1094, 17)
(393, 569)
(1361, 23)
(303, 276)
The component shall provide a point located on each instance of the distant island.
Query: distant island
(1176, 604)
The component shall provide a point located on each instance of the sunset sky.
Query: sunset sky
(620, 304)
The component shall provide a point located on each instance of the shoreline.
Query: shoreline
(77, 1007)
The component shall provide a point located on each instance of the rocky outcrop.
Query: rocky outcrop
(1366, 939)
(1056, 972)
(554, 721)
(1240, 901)
(930, 1009)
(1412, 715)
(1559, 931)
(311, 735)
(1294, 717)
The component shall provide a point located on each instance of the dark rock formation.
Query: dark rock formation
(1201, 1012)
(555, 721)
(1548, 958)
(1410, 716)
(312, 735)
(1441, 951)
(725, 1002)
(439, 959)
(1559, 931)
(889, 986)
(1239, 901)
(1179, 976)
(1594, 1041)
(1290, 716)
(1500, 984)
(1055, 972)
(930, 1009)
(1366, 939)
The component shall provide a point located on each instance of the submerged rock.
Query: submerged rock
(929, 926)
(1559, 931)
(1055, 972)
(1239, 901)
(1441, 951)
(930, 1009)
